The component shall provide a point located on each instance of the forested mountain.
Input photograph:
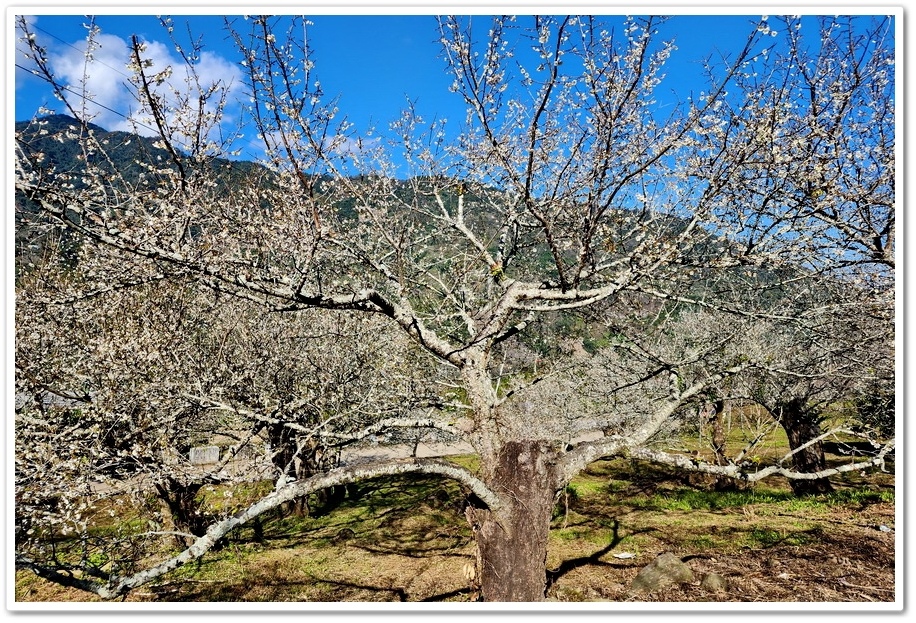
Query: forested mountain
(55, 144)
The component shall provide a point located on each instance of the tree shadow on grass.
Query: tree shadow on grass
(418, 552)
(374, 507)
(594, 559)
(235, 592)
(397, 591)
(443, 596)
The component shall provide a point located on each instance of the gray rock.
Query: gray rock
(714, 583)
(665, 570)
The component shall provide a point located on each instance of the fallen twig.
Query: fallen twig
(870, 588)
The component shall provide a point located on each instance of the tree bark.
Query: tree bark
(718, 432)
(719, 441)
(305, 462)
(802, 425)
(184, 508)
(512, 543)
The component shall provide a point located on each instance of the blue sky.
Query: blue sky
(374, 63)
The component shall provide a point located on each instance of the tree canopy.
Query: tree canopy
(694, 246)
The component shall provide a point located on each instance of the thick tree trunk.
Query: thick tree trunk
(184, 508)
(718, 438)
(802, 425)
(303, 463)
(512, 544)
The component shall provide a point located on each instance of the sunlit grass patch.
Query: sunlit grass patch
(771, 537)
(406, 537)
(860, 496)
(586, 488)
(688, 499)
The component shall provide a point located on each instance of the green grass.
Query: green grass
(687, 499)
(389, 532)
(585, 488)
(771, 537)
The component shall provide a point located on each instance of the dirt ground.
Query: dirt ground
(847, 564)
(406, 540)
(850, 560)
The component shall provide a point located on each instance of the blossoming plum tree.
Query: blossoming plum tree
(567, 191)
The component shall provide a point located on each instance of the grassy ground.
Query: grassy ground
(405, 539)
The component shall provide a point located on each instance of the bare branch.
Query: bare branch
(118, 586)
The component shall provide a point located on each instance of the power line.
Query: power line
(83, 95)
(89, 99)
(70, 45)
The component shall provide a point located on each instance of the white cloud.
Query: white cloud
(96, 82)
(99, 83)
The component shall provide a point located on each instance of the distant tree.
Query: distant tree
(567, 189)
(875, 408)
(116, 383)
(814, 371)
(101, 380)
